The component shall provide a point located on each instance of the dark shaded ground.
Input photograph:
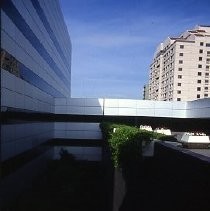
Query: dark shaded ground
(171, 181)
(68, 185)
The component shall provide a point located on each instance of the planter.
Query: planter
(119, 189)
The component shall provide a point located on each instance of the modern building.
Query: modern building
(146, 92)
(35, 70)
(181, 66)
(36, 103)
(35, 55)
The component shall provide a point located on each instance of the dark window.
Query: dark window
(200, 58)
(20, 70)
(206, 74)
(207, 44)
(200, 66)
(179, 76)
(181, 46)
(198, 88)
(179, 84)
(198, 96)
(180, 69)
(178, 99)
(205, 95)
(179, 92)
(199, 81)
(180, 61)
(199, 73)
(200, 51)
(201, 43)
(181, 54)
(206, 88)
(206, 81)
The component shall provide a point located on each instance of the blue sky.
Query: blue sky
(113, 41)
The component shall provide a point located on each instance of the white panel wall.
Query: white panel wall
(123, 107)
(14, 42)
(17, 93)
(75, 130)
(127, 107)
(18, 138)
(80, 106)
(198, 108)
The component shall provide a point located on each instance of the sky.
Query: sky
(113, 41)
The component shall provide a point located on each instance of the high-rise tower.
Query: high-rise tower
(181, 66)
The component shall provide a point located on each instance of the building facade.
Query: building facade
(35, 55)
(35, 70)
(36, 103)
(146, 92)
(181, 66)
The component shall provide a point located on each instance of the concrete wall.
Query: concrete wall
(19, 138)
(77, 130)
(198, 108)
(129, 107)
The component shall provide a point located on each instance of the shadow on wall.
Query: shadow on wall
(169, 181)
(79, 106)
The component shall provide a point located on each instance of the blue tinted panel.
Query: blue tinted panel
(12, 65)
(20, 23)
(29, 76)
(44, 20)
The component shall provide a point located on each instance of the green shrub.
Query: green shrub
(125, 143)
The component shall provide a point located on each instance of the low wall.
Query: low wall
(174, 179)
(184, 177)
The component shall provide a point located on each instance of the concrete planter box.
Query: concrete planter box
(195, 141)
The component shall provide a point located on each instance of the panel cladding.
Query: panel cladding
(18, 69)
(58, 27)
(41, 47)
(23, 137)
(42, 16)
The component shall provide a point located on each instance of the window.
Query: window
(200, 51)
(179, 76)
(179, 92)
(207, 44)
(181, 46)
(205, 95)
(180, 69)
(206, 88)
(199, 81)
(201, 43)
(180, 61)
(198, 88)
(198, 96)
(206, 81)
(200, 58)
(179, 84)
(200, 66)
(207, 67)
(206, 74)
(178, 99)
(181, 54)
(199, 73)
